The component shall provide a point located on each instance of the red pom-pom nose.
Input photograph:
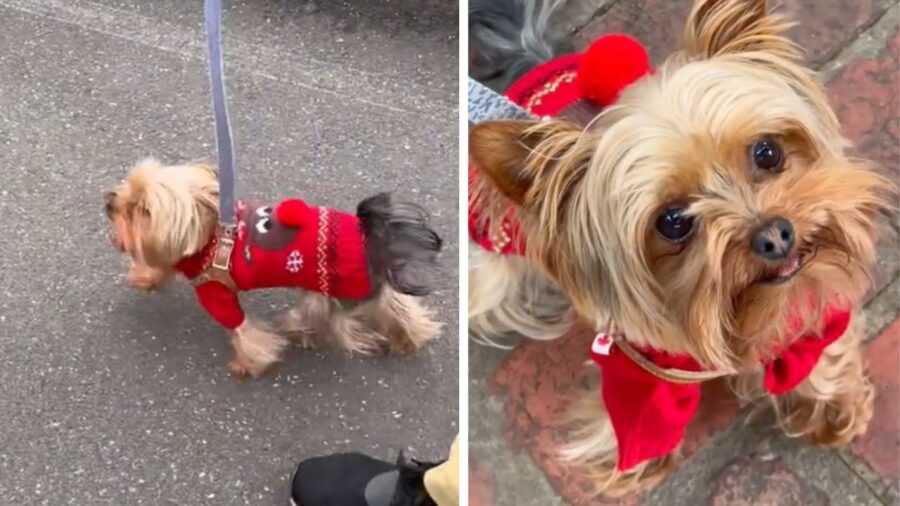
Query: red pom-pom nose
(610, 65)
(294, 213)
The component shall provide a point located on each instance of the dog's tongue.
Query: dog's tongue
(789, 267)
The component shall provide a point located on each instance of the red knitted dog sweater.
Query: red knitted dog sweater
(292, 244)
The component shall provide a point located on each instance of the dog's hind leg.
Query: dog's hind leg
(407, 323)
(353, 330)
(302, 323)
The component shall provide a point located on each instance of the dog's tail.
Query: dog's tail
(507, 38)
(401, 247)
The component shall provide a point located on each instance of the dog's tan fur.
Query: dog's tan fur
(588, 198)
(390, 322)
(161, 214)
(510, 297)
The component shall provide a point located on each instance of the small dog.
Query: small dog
(707, 221)
(358, 276)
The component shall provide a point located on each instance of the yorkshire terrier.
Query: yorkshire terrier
(706, 222)
(358, 276)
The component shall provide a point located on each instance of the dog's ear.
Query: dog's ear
(720, 27)
(169, 220)
(520, 157)
(500, 149)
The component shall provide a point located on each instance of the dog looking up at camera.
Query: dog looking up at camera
(704, 218)
(359, 276)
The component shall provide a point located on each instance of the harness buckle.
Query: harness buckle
(222, 258)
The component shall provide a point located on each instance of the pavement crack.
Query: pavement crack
(834, 53)
(599, 12)
(887, 286)
(868, 485)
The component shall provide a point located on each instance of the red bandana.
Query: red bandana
(649, 415)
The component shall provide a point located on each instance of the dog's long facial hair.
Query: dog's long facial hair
(161, 214)
(648, 217)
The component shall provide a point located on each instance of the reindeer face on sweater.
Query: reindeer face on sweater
(266, 230)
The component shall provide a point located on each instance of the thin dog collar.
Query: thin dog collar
(671, 375)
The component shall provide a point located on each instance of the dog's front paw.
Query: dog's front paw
(255, 349)
(243, 370)
(144, 278)
(304, 340)
(829, 423)
(846, 418)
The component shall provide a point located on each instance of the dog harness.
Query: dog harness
(291, 244)
(650, 395)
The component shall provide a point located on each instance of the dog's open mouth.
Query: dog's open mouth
(787, 270)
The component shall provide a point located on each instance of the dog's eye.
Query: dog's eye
(767, 155)
(108, 205)
(673, 225)
(264, 225)
(264, 211)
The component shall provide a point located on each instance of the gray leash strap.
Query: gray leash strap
(486, 104)
(212, 11)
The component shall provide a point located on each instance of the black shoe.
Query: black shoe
(354, 479)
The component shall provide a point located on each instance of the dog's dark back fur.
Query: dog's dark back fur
(507, 38)
(401, 247)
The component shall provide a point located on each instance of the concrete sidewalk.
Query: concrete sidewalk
(516, 396)
(108, 396)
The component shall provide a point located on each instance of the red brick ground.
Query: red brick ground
(538, 380)
(481, 486)
(880, 447)
(649, 21)
(825, 27)
(866, 98)
(865, 95)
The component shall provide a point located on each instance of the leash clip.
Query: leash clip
(222, 258)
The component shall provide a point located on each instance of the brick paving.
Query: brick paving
(732, 458)
(880, 446)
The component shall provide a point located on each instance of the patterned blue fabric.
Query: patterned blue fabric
(486, 104)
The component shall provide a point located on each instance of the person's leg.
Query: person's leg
(442, 482)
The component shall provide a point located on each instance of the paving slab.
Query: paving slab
(824, 28)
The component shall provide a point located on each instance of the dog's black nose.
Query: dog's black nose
(774, 240)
